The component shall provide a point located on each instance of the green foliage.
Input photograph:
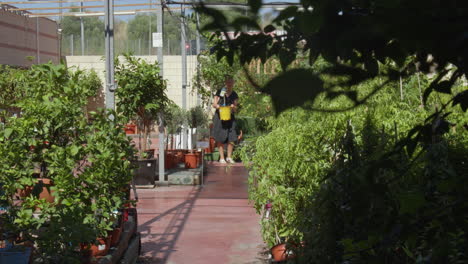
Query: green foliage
(389, 186)
(142, 90)
(358, 43)
(352, 189)
(175, 118)
(87, 160)
(93, 30)
(250, 126)
(211, 75)
(141, 93)
(197, 117)
(9, 91)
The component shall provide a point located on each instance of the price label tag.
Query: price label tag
(157, 40)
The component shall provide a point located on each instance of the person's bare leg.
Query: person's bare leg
(221, 150)
(230, 148)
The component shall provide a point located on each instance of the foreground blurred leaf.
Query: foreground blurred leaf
(293, 88)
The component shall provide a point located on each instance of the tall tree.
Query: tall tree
(93, 30)
(138, 29)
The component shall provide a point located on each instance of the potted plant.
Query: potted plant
(130, 129)
(141, 96)
(175, 118)
(197, 119)
(84, 155)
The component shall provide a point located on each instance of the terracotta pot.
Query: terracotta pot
(180, 156)
(115, 236)
(212, 144)
(46, 193)
(169, 160)
(190, 160)
(280, 253)
(130, 129)
(99, 249)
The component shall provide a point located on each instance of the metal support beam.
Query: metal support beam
(79, 14)
(38, 52)
(198, 53)
(184, 75)
(67, 7)
(82, 32)
(72, 42)
(109, 40)
(159, 29)
(149, 32)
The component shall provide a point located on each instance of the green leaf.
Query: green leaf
(7, 132)
(372, 66)
(240, 22)
(286, 13)
(286, 57)
(74, 150)
(444, 87)
(293, 88)
(461, 99)
(269, 28)
(255, 5)
(411, 202)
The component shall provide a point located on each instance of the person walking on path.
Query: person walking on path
(224, 131)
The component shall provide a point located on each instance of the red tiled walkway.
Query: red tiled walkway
(189, 224)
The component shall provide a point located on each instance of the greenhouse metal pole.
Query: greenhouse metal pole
(149, 31)
(38, 52)
(82, 31)
(159, 49)
(71, 45)
(109, 34)
(184, 75)
(198, 53)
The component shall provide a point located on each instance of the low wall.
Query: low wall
(172, 73)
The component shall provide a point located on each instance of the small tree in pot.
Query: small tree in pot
(197, 119)
(141, 94)
(175, 118)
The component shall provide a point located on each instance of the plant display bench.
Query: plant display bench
(129, 246)
(183, 176)
(145, 173)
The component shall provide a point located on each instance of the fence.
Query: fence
(71, 46)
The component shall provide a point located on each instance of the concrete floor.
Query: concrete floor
(209, 224)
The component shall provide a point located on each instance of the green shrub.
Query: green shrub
(342, 183)
(87, 160)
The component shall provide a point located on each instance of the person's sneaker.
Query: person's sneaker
(229, 160)
(222, 161)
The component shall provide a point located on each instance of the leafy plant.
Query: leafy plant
(9, 91)
(175, 118)
(87, 160)
(141, 94)
(351, 188)
(197, 119)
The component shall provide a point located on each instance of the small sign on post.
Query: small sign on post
(157, 40)
(203, 144)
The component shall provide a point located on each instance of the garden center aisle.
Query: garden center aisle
(188, 224)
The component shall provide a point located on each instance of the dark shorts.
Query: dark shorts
(224, 131)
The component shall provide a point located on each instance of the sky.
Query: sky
(101, 2)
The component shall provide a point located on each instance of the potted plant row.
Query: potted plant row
(55, 147)
(141, 98)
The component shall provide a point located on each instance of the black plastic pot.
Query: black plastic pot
(145, 172)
